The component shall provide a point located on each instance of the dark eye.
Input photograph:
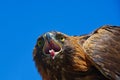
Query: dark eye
(40, 42)
(60, 38)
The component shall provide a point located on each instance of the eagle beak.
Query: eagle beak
(48, 37)
(51, 47)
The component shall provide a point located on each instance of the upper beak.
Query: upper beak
(48, 37)
(51, 45)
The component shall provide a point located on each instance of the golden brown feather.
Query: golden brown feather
(63, 57)
(103, 50)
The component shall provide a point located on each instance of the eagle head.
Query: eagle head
(51, 45)
(56, 51)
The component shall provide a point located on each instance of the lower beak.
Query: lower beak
(51, 45)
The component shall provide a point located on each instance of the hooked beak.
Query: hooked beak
(51, 47)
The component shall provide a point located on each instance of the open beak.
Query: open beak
(51, 46)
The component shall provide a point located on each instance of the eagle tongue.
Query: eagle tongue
(52, 53)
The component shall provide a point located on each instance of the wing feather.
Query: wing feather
(103, 50)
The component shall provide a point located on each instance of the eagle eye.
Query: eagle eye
(60, 38)
(40, 42)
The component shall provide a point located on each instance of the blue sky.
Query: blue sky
(22, 21)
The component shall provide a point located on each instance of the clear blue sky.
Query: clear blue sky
(22, 21)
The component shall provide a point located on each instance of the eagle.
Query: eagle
(94, 56)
